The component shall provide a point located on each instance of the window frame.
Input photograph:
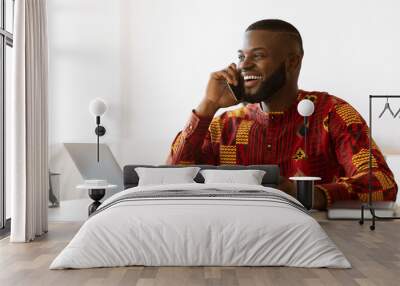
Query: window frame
(6, 39)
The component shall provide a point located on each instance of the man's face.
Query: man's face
(262, 65)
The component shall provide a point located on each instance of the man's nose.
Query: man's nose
(247, 63)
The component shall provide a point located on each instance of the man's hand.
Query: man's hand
(218, 94)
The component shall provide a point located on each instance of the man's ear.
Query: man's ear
(293, 62)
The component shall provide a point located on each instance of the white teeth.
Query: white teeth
(248, 77)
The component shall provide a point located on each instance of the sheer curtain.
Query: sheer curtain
(29, 143)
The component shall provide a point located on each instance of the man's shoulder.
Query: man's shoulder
(322, 100)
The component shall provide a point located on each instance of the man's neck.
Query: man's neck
(281, 100)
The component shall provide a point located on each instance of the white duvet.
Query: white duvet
(200, 231)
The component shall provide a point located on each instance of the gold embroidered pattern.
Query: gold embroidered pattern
(325, 123)
(348, 114)
(327, 195)
(299, 155)
(361, 160)
(242, 135)
(215, 129)
(375, 196)
(240, 113)
(385, 181)
(363, 197)
(227, 155)
(177, 143)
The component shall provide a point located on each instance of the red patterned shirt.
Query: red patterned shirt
(337, 143)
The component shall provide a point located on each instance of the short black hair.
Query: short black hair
(277, 25)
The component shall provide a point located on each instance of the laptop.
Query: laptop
(352, 210)
(84, 156)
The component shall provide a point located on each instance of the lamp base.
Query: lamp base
(305, 190)
(100, 130)
(305, 193)
(96, 195)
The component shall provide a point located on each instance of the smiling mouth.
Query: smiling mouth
(252, 80)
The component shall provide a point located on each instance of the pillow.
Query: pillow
(163, 176)
(248, 177)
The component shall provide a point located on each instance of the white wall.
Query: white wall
(151, 61)
(84, 41)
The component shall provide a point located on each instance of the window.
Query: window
(6, 44)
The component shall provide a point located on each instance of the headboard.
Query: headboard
(270, 179)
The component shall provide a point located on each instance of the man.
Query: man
(270, 130)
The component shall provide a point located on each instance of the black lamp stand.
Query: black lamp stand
(305, 134)
(100, 131)
(305, 188)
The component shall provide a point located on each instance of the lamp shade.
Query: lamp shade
(305, 107)
(97, 107)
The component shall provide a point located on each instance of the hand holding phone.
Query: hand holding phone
(224, 89)
(238, 90)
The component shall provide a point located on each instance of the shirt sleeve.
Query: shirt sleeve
(349, 135)
(193, 144)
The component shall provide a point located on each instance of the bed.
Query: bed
(198, 224)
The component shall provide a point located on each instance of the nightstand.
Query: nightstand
(305, 189)
(96, 193)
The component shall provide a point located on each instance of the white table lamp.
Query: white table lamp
(97, 108)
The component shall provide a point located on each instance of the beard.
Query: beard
(268, 86)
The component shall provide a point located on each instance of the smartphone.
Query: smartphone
(237, 90)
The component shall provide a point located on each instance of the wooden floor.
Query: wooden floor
(375, 257)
